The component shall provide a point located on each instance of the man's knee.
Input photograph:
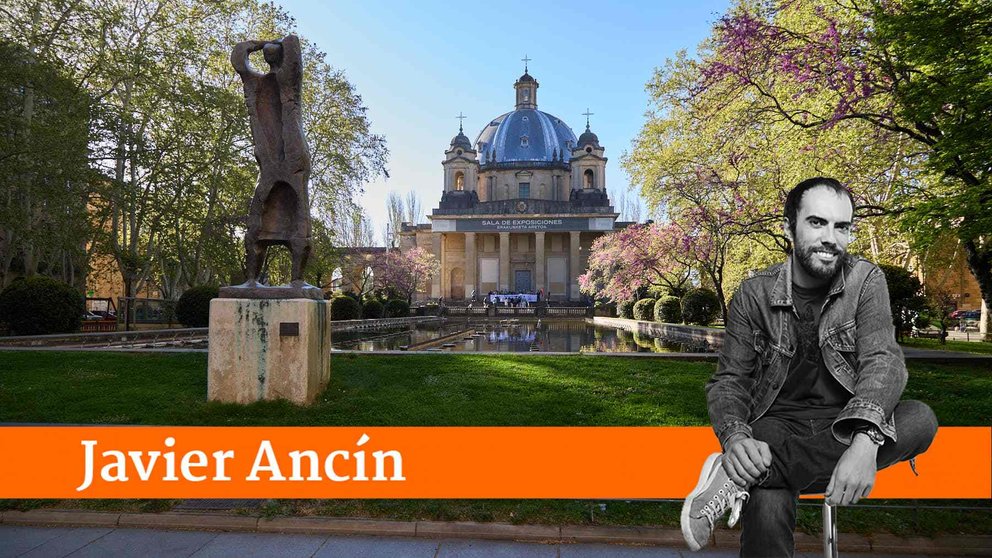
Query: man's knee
(916, 420)
(916, 426)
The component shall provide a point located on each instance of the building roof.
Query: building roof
(588, 138)
(527, 135)
(461, 140)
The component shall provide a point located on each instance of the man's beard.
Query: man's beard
(814, 267)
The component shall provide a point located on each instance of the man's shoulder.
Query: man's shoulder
(761, 278)
(758, 285)
(859, 270)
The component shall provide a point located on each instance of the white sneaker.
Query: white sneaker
(713, 496)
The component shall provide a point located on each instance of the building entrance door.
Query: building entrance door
(521, 281)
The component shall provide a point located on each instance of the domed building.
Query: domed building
(521, 206)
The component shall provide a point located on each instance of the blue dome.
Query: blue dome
(525, 135)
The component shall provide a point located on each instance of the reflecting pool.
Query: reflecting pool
(568, 336)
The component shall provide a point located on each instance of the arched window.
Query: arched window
(590, 181)
(459, 180)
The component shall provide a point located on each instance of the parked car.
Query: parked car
(957, 314)
(87, 316)
(971, 315)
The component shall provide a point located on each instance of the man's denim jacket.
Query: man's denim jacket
(856, 337)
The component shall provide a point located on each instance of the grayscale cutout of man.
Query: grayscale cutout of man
(805, 398)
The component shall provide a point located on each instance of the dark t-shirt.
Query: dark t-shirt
(810, 391)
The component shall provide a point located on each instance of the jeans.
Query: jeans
(804, 454)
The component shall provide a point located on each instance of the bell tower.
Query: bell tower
(526, 87)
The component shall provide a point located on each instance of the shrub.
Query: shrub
(700, 306)
(657, 291)
(193, 308)
(40, 305)
(397, 308)
(353, 295)
(625, 309)
(372, 310)
(345, 308)
(668, 310)
(644, 309)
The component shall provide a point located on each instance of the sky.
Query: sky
(417, 65)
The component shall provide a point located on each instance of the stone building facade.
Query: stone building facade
(520, 209)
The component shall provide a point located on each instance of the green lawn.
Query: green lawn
(408, 390)
(448, 390)
(978, 347)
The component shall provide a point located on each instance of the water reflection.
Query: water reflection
(569, 336)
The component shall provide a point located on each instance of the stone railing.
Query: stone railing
(568, 311)
(104, 339)
(352, 325)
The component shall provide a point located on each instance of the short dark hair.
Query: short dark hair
(795, 196)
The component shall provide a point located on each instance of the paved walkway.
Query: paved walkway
(100, 542)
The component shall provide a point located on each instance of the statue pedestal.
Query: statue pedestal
(268, 349)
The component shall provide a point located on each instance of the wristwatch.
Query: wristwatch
(873, 433)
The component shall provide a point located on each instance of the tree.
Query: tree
(394, 213)
(905, 298)
(44, 135)
(940, 305)
(414, 209)
(168, 129)
(406, 272)
(638, 256)
(915, 70)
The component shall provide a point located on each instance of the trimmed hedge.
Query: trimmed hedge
(668, 309)
(41, 305)
(625, 309)
(700, 307)
(657, 291)
(193, 308)
(372, 310)
(397, 308)
(644, 309)
(345, 308)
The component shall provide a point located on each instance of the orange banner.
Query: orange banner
(415, 462)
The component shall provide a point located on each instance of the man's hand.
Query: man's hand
(854, 475)
(746, 460)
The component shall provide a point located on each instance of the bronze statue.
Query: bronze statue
(280, 209)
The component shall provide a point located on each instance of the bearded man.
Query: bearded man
(805, 398)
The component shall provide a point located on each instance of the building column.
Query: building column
(539, 264)
(471, 264)
(573, 265)
(504, 261)
(436, 280)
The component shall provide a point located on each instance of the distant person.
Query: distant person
(795, 414)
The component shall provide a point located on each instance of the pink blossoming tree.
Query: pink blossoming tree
(406, 272)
